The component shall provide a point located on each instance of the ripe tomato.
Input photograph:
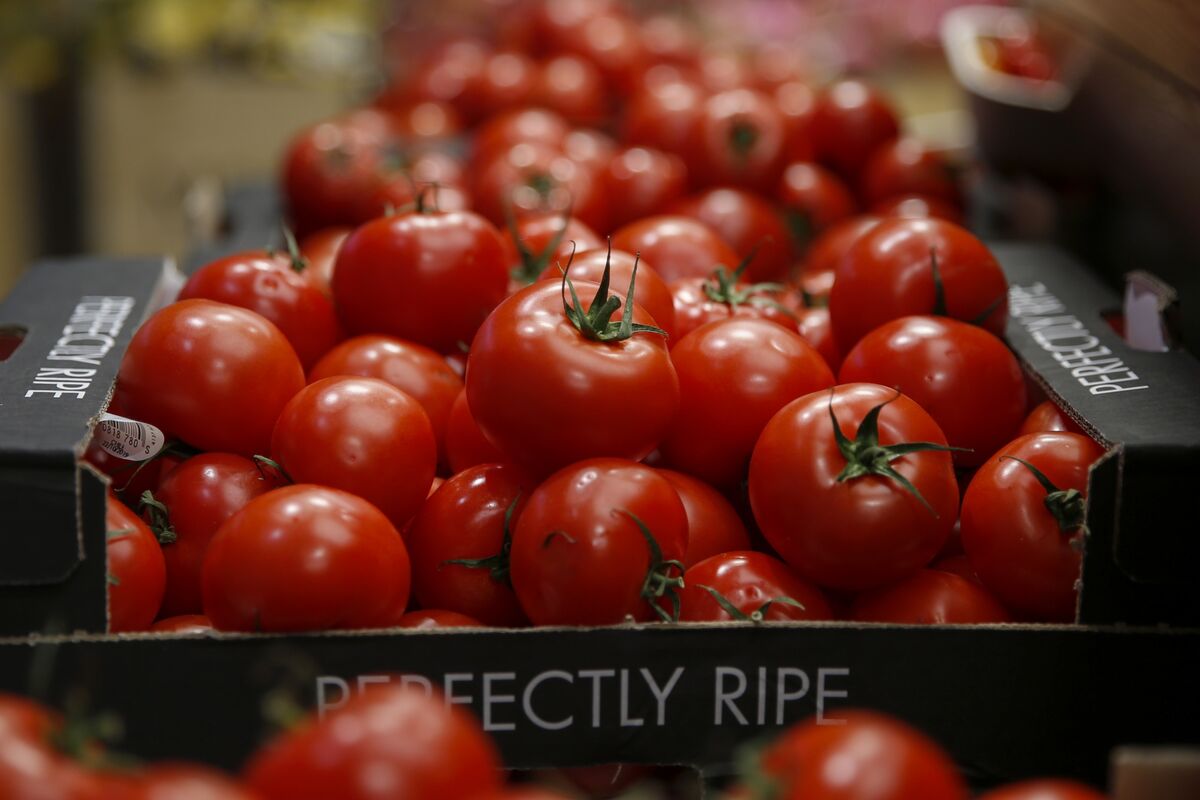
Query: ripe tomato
(966, 378)
(506, 80)
(189, 369)
(849, 124)
(646, 181)
(189, 505)
(400, 192)
(797, 103)
(420, 121)
(470, 518)
(183, 623)
(417, 371)
(136, 573)
(1047, 417)
(722, 296)
(611, 41)
(385, 742)
(748, 224)
(1023, 538)
(734, 375)
(574, 87)
(678, 247)
(304, 558)
(430, 278)
(756, 585)
(868, 756)
(929, 597)
(957, 564)
(177, 781)
(890, 272)
(526, 126)
(591, 149)
(553, 22)
(664, 114)
(650, 292)
(320, 250)
(830, 247)
(363, 436)
(814, 327)
(915, 205)
(446, 72)
(905, 166)
(550, 384)
(538, 242)
(436, 618)
(814, 199)
(713, 523)
(537, 178)
(466, 445)
(597, 542)
(270, 284)
(31, 768)
(739, 141)
(1045, 789)
(832, 498)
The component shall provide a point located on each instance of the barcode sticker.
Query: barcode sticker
(127, 438)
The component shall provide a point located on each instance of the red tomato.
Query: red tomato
(966, 378)
(304, 558)
(574, 87)
(739, 141)
(831, 504)
(539, 242)
(591, 149)
(430, 278)
(734, 375)
(612, 42)
(400, 193)
(385, 742)
(269, 284)
(214, 374)
(189, 505)
(815, 200)
(531, 177)
(448, 70)
(167, 781)
(650, 292)
(915, 205)
(1045, 789)
(469, 518)
(506, 80)
(553, 22)
(713, 523)
(748, 224)
(420, 120)
(797, 102)
(320, 250)
(663, 115)
(830, 247)
(868, 756)
(646, 181)
(890, 273)
(678, 247)
(363, 436)
(905, 166)
(702, 300)
(929, 597)
(183, 623)
(417, 371)
(849, 124)
(526, 126)
(669, 38)
(756, 585)
(31, 768)
(136, 573)
(437, 618)
(548, 394)
(580, 556)
(814, 327)
(1023, 538)
(1047, 417)
(466, 445)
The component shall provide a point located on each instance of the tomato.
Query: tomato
(1044, 789)
(957, 564)
(849, 124)
(815, 199)
(915, 205)
(446, 73)
(713, 523)
(929, 597)
(678, 247)
(590, 149)
(426, 619)
(650, 292)
(1024, 538)
(526, 126)
(400, 192)
(430, 278)
(549, 387)
(646, 181)
(506, 80)
(748, 224)
(190, 368)
(469, 518)
(734, 375)
(30, 767)
(424, 120)
(893, 270)
(739, 141)
(168, 781)
(574, 87)
(417, 371)
(830, 247)
(466, 445)
(612, 42)
(183, 623)
(966, 378)
(828, 500)
(531, 177)
(385, 742)
(136, 573)
(797, 103)
(756, 585)
(814, 327)
(553, 22)
(663, 115)
(362, 435)
(131, 478)
(189, 505)
(722, 296)
(597, 542)
(538, 242)
(905, 166)
(1048, 417)
(304, 558)
(869, 755)
(270, 284)
(320, 250)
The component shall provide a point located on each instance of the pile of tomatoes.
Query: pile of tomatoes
(726, 354)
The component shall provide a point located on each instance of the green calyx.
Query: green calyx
(532, 264)
(597, 322)
(866, 456)
(497, 565)
(757, 615)
(743, 135)
(299, 262)
(726, 287)
(659, 582)
(262, 463)
(160, 518)
(1067, 506)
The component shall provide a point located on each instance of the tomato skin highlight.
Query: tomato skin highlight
(578, 558)
(183, 623)
(860, 533)
(748, 579)
(713, 523)
(304, 558)
(929, 597)
(137, 572)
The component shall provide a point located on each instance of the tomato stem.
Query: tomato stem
(726, 287)
(262, 461)
(497, 565)
(757, 615)
(160, 518)
(659, 582)
(298, 261)
(743, 135)
(533, 264)
(597, 322)
(1067, 506)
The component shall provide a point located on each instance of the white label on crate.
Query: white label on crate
(127, 438)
